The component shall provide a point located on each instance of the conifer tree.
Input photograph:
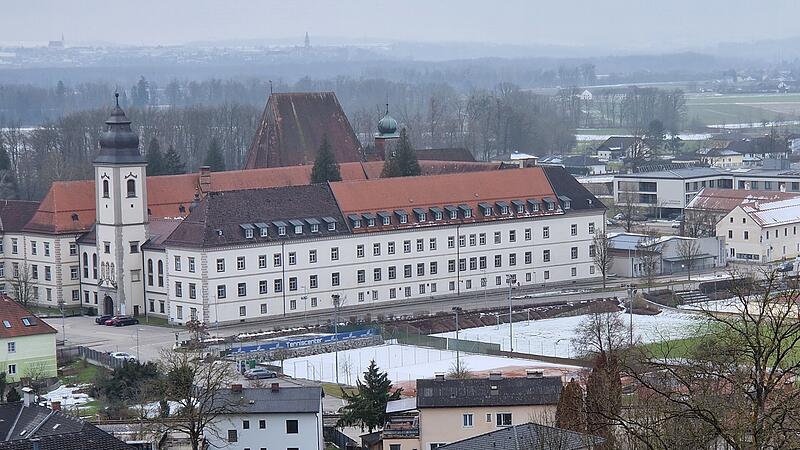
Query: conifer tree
(155, 160)
(366, 407)
(325, 166)
(603, 398)
(13, 396)
(214, 158)
(8, 182)
(404, 162)
(172, 163)
(570, 412)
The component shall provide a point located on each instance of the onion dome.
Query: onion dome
(387, 124)
(119, 144)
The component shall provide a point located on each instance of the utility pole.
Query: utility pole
(510, 279)
(335, 298)
(457, 309)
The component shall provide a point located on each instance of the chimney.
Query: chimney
(438, 376)
(495, 375)
(275, 387)
(534, 373)
(205, 179)
(237, 388)
(55, 405)
(28, 397)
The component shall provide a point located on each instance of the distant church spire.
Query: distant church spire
(307, 42)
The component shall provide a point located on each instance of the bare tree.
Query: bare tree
(200, 388)
(737, 384)
(650, 256)
(602, 257)
(22, 285)
(627, 205)
(699, 223)
(689, 251)
(601, 333)
(459, 370)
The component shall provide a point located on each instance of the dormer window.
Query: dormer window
(131, 188)
(332, 226)
(422, 216)
(402, 216)
(298, 229)
(315, 228)
(370, 222)
(437, 216)
(438, 213)
(453, 214)
(486, 209)
(466, 211)
(503, 207)
(387, 220)
(567, 204)
(281, 231)
(263, 229)
(264, 232)
(248, 233)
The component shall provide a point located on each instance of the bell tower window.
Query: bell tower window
(105, 189)
(131, 188)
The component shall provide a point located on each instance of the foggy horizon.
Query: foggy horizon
(613, 25)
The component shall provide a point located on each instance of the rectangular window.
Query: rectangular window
(392, 272)
(47, 273)
(335, 279)
(573, 229)
(473, 240)
(12, 347)
(512, 236)
(407, 271)
(574, 253)
(134, 246)
(12, 369)
(191, 264)
(178, 289)
(241, 289)
(233, 436)
(245, 424)
(312, 256)
(462, 264)
(192, 290)
(574, 271)
(466, 420)
(591, 227)
(406, 246)
(498, 260)
(73, 249)
(376, 274)
(292, 258)
(462, 241)
(240, 263)
(360, 251)
(390, 248)
(420, 245)
(451, 265)
(262, 287)
(546, 233)
(33, 248)
(420, 269)
(313, 302)
(335, 254)
(262, 424)
(376, 249)
(277, 285)
(528, 258)
(451, 241)
(292, 304)
(592, 251)
(482, 239)
(313, 282)
(361, 276)
(392, 293)
(291, 426)
(432, 244)
(497, 237)
(473, 263)
(276, 260)
(74, 273)
(527, 234)
(293, 283)
(512, 259)
(407, 291)
(434, 268)
(503, 419)
(220, 265)
(262, 261)
(546, 274)
(221, 291)
(177, 263)
(546, 255)
(482, 262)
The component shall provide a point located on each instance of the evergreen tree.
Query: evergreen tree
(8, 182)
(325, 166)
(214, 158)
(404, 161)
(3, 384)
(173, 165)
(13, 396)
(367, 406)
(570, 412)
(155, 160)
(603, 398)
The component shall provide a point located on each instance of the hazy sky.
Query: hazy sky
(621, 24)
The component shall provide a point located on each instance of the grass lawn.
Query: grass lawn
(677, 348)
(333, 390)
(80, 372)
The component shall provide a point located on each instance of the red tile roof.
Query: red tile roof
(14, 214)
(724, 200)
(13, 313)
(292, 128)
(407, 193)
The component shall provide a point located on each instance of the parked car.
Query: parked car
(788, 266)
(676, 224)
(619, 216)
(102, 319)
(122, 356)
(259, 373)
(121, 321)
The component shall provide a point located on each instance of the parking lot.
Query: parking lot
(83, 331)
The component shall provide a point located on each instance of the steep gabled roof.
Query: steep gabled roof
(779, 212)
(445, 154)
(16, 321)
(565, 185)
(14, 214)
(724, 200)
(528, 436)
(292, 128)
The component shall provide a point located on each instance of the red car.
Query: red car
(121, 321)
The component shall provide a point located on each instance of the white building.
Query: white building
(762, 231)
(275, 417)
(250, 254)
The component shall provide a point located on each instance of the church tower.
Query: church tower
(121, 223)
(387, 134)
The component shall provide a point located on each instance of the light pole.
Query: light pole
(335, 298)
(510, 279)
(457, 309)
(304, 298)
(63, 323)
(137, 343)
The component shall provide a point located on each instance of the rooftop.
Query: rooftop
(14, 214)
(477, 392)
(724, 200)
(16, 321)
(304, 399)
(774, 213)
(527, 436)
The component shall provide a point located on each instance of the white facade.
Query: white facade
(251, 282)
(749, 239)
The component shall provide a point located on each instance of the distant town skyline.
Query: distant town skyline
(610, 24)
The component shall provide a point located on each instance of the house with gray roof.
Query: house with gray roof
(283, 417)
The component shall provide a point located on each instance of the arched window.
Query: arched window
(85, 265)
(150, 272)
(94, 265)
(160, 273)
(131, 188)
(105, 189)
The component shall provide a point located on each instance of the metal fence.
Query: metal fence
(98, 358)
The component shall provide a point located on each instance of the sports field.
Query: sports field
(715, 109)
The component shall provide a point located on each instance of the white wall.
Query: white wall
(273, 436)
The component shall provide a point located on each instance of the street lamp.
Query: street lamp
(457, 309)
(510, 279)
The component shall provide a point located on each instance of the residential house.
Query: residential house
(710, 205)
(616, 148)
(274, 417)
(450, 410)
(27, 344)
(762, 231)
(529, 436)
(633, 252)
(25, 426)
